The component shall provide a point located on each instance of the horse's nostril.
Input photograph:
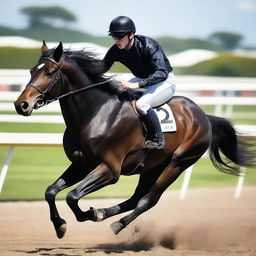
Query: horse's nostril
(40, 102)
(24, 105)
(23, 108)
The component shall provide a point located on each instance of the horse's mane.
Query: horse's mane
(94, 68)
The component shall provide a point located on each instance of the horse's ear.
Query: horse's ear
(44, 47)
(58, 52)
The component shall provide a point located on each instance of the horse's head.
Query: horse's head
(46, 81)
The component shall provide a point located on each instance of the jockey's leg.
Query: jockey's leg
(154, 96)
(154, 129)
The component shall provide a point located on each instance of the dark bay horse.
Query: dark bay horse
(104, 137)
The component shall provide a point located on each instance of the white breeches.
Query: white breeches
(155, 95)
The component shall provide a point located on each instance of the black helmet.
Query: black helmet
(120, 26)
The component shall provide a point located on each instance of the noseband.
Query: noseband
(56, 79)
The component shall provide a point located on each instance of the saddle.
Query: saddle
(165, 115)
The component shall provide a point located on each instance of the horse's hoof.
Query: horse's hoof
(116, 227)
(61, 230)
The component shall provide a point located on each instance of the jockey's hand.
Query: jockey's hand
(128, 85)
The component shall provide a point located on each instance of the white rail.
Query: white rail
(201, 100)
(30, 139)
(190, 83)
(57, 118)
(13, 140)
(224, 89)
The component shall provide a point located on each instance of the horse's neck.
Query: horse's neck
(75, 78)
(88, 106)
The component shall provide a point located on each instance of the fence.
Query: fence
(13, 140)
(195, 87)
(224, 95)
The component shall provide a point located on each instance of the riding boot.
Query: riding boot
(154, 130)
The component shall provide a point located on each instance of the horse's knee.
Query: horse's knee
(50, 193)
(72, 198)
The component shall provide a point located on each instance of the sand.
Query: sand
(207, 222)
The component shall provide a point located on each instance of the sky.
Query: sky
(178, 18)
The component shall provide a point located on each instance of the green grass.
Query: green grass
(32, 127)
(225, 64)
(34, 168)
(15, 57)
(241, 114)
(173, 45)
(10, 112)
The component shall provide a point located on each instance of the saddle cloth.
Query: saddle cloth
(166, 118)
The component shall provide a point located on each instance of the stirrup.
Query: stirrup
(149, 144)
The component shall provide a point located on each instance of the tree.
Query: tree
(41, 16)
(228, 40)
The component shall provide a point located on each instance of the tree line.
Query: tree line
(50, 16)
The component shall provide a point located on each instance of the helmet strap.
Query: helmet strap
(129, 41)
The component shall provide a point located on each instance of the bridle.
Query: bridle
(59, 77)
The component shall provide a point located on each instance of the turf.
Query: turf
(34, 168)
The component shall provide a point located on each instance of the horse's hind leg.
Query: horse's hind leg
(70, 177)
(146, 181)
(150, 199)
(183, 157)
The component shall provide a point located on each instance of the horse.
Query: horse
(104, 137)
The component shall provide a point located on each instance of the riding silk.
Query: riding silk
(145, 59)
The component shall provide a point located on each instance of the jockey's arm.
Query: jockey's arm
(129, 85)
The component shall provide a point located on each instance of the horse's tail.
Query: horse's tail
(225, 140)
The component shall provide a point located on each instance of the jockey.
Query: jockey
(151, 68)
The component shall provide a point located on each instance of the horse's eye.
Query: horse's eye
(48, 74)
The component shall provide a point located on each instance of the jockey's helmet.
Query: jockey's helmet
(120, 26)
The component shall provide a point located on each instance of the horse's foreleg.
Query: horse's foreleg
(67, 179)
(100, 177)
(150, 199)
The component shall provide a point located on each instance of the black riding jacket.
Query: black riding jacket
(145, 60)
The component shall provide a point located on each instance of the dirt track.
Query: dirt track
(207, 222)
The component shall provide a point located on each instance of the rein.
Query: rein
(58, 77)
(75, 92)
